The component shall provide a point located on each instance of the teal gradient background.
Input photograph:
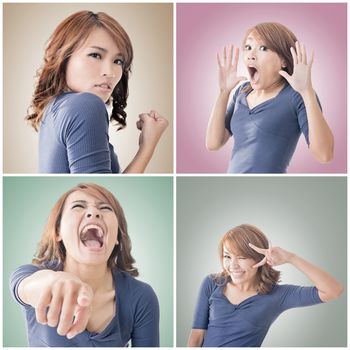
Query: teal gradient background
(305, 215)
(148, 207)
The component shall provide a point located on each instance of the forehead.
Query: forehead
(253, 36)
(85, 196)
(99, 37)
(231, 249)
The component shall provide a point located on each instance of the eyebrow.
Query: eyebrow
(104, 50)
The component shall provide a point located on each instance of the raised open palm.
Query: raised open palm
(228, 78)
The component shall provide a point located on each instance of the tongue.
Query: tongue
(92, 243)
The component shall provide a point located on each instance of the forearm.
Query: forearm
(329, 288)
(140, 161)
(196, 338)
(30, 289)
(217, 135)
(320, 135)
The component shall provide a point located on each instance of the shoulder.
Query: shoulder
(211, 282)
(73, 105)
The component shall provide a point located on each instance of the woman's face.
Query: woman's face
(263, 64)
(96, 66)
(88, 229)
(239, 267)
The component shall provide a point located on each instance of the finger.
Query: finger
(225, 58)
(218, 60)
(257, 249)
(41, 308)
(230, 55)
(303, 53)
(260, 263)
(67, 313)
(294, 55)
(312, 58)
(80, 322)
(297, 44)
(235, 61)
(85, 296)
(53, 314)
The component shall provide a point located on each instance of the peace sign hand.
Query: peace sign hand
(228, 78)
(300, 80)
(273, 256)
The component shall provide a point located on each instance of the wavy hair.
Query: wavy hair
(278, 38)
(238, 239)
(67, 37)
(50, 251)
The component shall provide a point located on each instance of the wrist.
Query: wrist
(307, 93)
(291, 258)
(225, 92)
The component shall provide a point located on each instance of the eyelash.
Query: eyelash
(239, 257)
(118, 61)
(101, 208)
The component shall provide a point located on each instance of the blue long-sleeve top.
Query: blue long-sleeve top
(73, 136)
(247, 323)
(136, 319)
(265, 136)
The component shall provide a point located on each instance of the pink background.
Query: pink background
(204, 29)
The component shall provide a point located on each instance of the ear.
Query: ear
(58, 237)
(284, 64)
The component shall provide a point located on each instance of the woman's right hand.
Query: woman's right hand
(228, 78)
(62, 300)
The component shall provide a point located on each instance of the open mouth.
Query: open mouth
(253, 74)
(92, 236)
(104, 86)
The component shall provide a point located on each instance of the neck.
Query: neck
(249, 286)
(98, 277)
(271, 89)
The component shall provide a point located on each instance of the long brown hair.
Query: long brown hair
(277, 38)
(238, 239)
(67, 37)
(51, 251)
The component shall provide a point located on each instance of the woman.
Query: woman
(236, 307)
(80, 290)
(267, 114)
(86, 67)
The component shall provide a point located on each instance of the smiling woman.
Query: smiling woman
(237, 306)
(86, 67)
(80, 290)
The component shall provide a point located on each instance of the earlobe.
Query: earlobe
(58, 238)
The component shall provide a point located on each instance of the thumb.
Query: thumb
(285, 75)
(85, 296)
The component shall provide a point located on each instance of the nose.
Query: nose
(108, 70)
(93, 212)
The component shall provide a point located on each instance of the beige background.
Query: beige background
(27, 28)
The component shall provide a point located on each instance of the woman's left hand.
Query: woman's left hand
(300, 80)
(273, 256)
(152, 126)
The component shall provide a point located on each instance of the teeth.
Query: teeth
(98, 228)
(104, 86)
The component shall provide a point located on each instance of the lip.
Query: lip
(104, 87)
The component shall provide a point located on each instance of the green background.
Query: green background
(148, 207)
(305, 215)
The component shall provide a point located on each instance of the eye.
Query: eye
(247, 47)
(106, 207)
(77, 206)
(119, 62)
(241, 258)
(95, 55)
(227, 256)
(263, 48)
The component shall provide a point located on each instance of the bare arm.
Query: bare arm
(196, 338)
(328, 287)
(320, 135)
(152, 126)
(217, 135)
(66, 297)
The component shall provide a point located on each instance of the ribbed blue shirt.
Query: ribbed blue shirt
(73, 136)
(265, 137)
(245, 324)
(136, 319)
